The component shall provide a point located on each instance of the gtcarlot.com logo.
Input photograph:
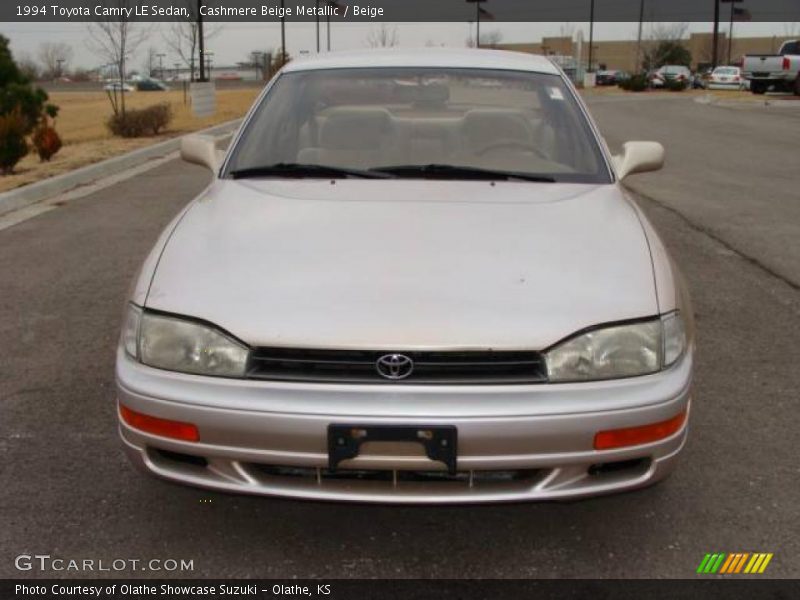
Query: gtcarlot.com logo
(45, 562)
(734, 563)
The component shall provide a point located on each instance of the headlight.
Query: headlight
(186, 346)
(618, 351)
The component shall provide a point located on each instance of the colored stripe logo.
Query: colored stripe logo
(746, 563)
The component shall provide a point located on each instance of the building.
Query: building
(622, 54)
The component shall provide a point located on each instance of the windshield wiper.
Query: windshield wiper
(441, 171)
(303, 170)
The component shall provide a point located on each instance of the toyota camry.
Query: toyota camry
(415, 277)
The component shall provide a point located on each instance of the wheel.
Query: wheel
(758, 87)
(797, 85)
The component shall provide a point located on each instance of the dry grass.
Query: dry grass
(82, 126)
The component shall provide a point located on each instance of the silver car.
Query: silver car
(414, 277)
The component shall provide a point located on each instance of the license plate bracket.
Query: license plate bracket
(439, 441)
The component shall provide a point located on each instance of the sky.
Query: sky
(235, 41)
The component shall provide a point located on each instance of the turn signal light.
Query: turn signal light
(157, 426)
(635, 436)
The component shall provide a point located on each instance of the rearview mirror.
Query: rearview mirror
(201, 150)
(638, 157)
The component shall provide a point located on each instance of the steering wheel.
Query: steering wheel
(512, 144)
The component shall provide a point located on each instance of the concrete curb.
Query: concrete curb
(53, 186)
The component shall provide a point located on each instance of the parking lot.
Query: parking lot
(728, 206)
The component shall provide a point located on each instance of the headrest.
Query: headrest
(485, 124)
(355, 128)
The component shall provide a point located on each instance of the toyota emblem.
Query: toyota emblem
(394, 366)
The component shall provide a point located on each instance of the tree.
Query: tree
(116, 42)
(55, 58)
(29, 67)
(665, 46)
(183, 37)
(22, 107)
(383, 37)
(491, 39)
(16, 91)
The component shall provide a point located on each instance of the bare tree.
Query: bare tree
(383, 37)
(55, 58)
(491, 39)
(29, 67)
(567, 30)
(661, 36)
(116, 42)
(184, 39)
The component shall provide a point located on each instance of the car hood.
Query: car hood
(402, 264)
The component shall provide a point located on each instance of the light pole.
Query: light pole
(639, 39)
(201, 42)
(591, 35)
(477, 4)
(160, 65)
(715, 37)
(283, 35)
(255, 56)
(209, 58)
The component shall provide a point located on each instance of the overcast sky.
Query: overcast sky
(235, 41)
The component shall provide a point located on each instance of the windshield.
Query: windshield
(726, 71)
(455, 120)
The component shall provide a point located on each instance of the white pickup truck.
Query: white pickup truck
(780, 70)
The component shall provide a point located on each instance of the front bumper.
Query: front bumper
(515, 442)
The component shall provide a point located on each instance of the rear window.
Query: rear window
(369, 118)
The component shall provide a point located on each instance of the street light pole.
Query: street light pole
(161, 65)
(201, 43)
(639, 38)
(317, 19)
(715, 37)
(283, 36)
(591, 34)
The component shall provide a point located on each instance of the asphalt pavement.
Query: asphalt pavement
(728, 207)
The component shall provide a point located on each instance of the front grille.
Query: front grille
(360, 366)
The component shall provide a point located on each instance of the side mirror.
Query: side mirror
(638, 157)
(201, 150)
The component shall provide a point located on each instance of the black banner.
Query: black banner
(406, 589)
(394, 10)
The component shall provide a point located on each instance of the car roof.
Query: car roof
(426, 57)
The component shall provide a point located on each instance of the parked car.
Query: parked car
(661, 76)
(377, 301)
(606, 77)
(729, 78)
(151, 85)
(118, 87)
(779, 71)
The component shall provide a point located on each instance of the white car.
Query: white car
(727, 78)
(116, 86)
(440, 293)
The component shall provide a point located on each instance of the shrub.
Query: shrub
(636, 83)
(140, 122)
(46, 141)
(676, 85)
(12, 140)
